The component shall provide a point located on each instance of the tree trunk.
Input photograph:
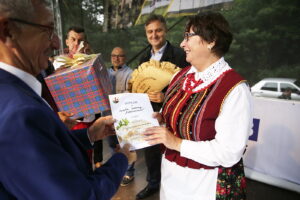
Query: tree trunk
(106, 15)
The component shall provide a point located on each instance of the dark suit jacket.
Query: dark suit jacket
(171, 54)
(40, 158)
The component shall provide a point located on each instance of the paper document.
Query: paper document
(133, 114)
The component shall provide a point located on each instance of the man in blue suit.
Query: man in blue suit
(39, 157)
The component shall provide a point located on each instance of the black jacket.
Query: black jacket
(171, 54)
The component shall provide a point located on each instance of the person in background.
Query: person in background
(286, 94)
(206, 131)
(76, 36)
(120, 74)
(40, 158)
(161, 50)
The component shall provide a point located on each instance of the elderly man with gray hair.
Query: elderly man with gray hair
(40, 158)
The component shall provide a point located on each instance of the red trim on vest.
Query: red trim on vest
(177, 77)
(204, 119)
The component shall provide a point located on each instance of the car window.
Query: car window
(297, 82)
(284, 86)
(271, 86)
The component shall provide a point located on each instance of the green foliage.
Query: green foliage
(266, 35)
(132, 40)
(84, 13)
(266, 38)
(122, 122)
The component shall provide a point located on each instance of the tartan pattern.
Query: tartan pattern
(83, 90)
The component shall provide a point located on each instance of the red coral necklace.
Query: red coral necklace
(191, 82)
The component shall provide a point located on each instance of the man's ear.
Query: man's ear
(4, 29)
(67, 42)
(7, 33)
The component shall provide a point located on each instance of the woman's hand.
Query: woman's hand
(161, 135)
(159, 118)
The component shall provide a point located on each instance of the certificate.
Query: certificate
(133, 114)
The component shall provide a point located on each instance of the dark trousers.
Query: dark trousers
(153, 158)
(98, 151)
(153, 162)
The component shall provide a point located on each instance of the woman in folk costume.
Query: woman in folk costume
(208, 117)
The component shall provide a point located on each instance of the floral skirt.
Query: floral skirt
(231, 183)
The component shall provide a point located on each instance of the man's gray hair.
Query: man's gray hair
(20, 9)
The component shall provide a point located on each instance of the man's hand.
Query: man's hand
(156, 97)
(66, 119)
(101, 128)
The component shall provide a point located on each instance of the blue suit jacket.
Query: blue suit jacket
(40, 158)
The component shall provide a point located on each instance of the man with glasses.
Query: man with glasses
(120, 74)
(40, 158)
(161, 50)
(119, 71)
(46, 28)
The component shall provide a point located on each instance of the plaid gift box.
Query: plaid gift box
(82, 90)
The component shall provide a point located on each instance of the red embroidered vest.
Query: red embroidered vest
(192, 116)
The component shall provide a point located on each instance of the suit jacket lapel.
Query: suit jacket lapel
(167, 55)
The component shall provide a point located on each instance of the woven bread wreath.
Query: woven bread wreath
(152, 76)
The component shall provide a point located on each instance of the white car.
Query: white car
(274, 87)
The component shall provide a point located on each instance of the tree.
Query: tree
(266, 38)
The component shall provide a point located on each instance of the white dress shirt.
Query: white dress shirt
(157, 55)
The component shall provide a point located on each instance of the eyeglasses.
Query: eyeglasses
(117, 56)
(188, 35)
(49, 29)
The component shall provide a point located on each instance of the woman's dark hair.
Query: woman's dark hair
(212, 27)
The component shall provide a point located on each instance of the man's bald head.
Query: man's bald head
(118, 57)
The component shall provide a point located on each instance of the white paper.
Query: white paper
(133, 114)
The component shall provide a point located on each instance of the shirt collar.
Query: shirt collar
(120, 67)
(161, 50)
(210, 74)
(30, 80)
